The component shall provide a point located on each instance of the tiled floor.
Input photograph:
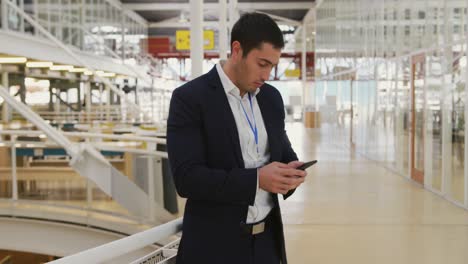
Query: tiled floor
(350, 210)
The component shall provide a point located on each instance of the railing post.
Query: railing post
(108, 104)
(5, 106)
(89, 186)
(14, 179)
(151, 188)
(101, 107)
(21, 20)
(88, 100)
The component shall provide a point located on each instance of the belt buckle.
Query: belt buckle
(258, 228)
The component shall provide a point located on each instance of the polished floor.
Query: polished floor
(351, 210)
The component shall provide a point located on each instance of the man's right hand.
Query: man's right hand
(278, 177)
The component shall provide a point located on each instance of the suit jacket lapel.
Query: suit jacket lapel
(222, 104)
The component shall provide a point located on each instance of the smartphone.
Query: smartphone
(306, 165)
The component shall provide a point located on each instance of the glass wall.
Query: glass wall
(98, 26)
(456, 100)
(406, 65)
(434, 118)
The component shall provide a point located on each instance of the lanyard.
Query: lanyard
(253, 126)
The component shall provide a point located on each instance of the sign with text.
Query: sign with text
(183, 40)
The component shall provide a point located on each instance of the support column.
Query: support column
(4, 15)
(21, 20)
(78, 91)
(223, 34)
(5, 107)
(14, 178)
(152, 100)
(87, 86)
(123, 37)
(108, 104)
(57, 101)
(51, 98)
(305, 92)
(196, 37)
(233, 13)
(466, 133)
(101, 110)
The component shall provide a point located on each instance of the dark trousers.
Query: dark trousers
(264, 246)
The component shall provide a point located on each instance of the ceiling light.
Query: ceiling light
(105, 74)
(79, 70)
(88, 73)
(61, 67)
(183, 17)
(39, 64)
(13, 60)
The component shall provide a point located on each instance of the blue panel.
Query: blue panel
(21, 152)
(54, 152)
(29, 152)
(111, 153)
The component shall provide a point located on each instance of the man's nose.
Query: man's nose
(265, 75)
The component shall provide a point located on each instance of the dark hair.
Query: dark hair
(253, 29)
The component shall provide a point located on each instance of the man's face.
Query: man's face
(254, 69)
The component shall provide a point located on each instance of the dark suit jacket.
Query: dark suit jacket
(208, 168)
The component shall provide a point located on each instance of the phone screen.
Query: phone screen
(307, 165)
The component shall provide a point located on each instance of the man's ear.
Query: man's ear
(236, 50)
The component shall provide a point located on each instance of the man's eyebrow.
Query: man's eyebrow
(267, 61)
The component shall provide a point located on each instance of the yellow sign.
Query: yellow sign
(183, 39)
(293, 73)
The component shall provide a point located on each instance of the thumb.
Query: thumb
(295, 164)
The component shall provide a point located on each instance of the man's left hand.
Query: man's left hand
(293, 165)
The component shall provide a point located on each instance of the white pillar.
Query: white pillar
(223, 36)
(196, 37)
(233, 13)
(14, 178)
(101, 105)
(466, 132)
(305, 92)
(88, 101)
(4, 15)
(151, 188)
(123, 25)
(152, 100)
(5, 109)
(108, 104)
(21, 20)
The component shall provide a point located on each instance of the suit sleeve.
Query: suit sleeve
(288, 153)
(186, 149)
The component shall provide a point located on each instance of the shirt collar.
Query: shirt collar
(228, 85)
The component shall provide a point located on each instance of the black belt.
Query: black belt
(258, 227)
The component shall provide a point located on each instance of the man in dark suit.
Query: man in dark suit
(230, 154)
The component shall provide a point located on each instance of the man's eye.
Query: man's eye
(263, 64)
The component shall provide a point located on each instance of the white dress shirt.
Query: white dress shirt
(252, 157)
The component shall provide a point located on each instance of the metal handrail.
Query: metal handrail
(86, 135)
(123, 246)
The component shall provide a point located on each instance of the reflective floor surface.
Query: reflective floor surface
(351, 210)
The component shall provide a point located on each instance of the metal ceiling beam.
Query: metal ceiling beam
(310, 15)
(284, 20)
(241, 6)
(176, 24)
